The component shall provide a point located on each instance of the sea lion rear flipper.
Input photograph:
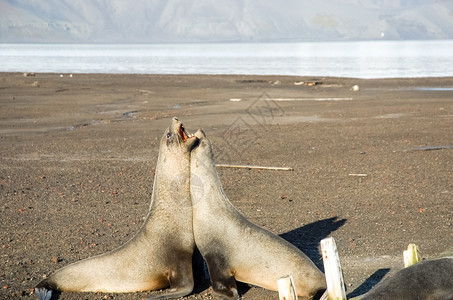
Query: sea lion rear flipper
(223, 282)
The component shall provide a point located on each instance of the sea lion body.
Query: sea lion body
(235, 248)
(160, 254)
(427, 280)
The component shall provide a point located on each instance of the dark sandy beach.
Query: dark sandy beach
(372, 168)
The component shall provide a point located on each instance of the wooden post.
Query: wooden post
(411, 256)
(332, 267)
(286, 288)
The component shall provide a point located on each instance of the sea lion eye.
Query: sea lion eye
(169, 135)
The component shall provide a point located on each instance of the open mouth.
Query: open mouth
(183, 133)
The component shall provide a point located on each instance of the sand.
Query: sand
(78, 156)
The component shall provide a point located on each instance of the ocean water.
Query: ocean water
(367, 59)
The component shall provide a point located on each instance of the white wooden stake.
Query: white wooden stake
(332, 267)
(286, 288)
(411, 256)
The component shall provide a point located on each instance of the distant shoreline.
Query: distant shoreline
(374, 59)
(428, 79)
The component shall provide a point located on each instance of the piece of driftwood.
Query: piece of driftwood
(254, 167)
(332, 268)
(411, 256)
(426, 148)
(286, 288)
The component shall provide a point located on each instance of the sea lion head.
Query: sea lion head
(173, 165)
(203, 148)
(176, 136)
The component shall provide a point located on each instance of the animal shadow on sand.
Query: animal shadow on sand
(308, 237)
(371, 281)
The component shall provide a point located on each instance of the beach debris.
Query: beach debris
(28, 74)
(129, 114)
(355, 88)
(35, 84)
(252, 81)
(425, 148)
(358, 175)
(286, 197)
(254, 167)
(235, 99)
(286, 288)
(146, 92)
(276, 82)
(61, 75)
(411, 256)
(308, 83)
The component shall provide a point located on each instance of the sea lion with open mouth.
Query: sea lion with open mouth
(235, 248)
(160, 254)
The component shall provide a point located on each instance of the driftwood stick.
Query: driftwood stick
(254, 167)
(286, 288)
(332, 268)
(426, 148)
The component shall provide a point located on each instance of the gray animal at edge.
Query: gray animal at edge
(427, 280)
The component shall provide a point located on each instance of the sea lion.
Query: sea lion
(160, 254)
(235, 248)
(427, 280)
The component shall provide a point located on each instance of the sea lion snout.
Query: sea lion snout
(200, 134)
(177, 128)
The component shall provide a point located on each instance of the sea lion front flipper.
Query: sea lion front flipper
(43, 293)
(172, 293)
(223, 282)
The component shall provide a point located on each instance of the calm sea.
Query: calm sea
(371, 59)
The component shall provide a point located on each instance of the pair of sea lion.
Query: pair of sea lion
(190, 209)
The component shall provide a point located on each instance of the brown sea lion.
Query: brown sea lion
(160, 254)
(235, 248)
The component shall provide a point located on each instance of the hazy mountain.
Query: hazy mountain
(150, 21)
